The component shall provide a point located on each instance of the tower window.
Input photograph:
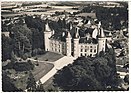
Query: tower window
(90, 46)
(81, 54)
(90, 50)
(85, 50)
(94, 50)
(81, 50)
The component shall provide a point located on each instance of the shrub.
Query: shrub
(36, 58)
(37, 64)
(20, 66)
(25, 56)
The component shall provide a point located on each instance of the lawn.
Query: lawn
(42, 69)
(49, 56)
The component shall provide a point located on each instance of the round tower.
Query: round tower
(76, 43)
(101, 40)
(47, 35)
(68, 44)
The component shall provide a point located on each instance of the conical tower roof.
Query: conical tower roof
(47, 28)
(101, 34)
(77, 33)
(68, 34)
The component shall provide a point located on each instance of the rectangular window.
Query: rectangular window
(90, 46)
(94, 50)
(90, 50)
(81, 50)
(81, 54)
(85, 50)
(85, 54)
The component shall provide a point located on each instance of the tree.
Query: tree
(37, 39)
(13, 57)
(126, 79)
(21, 40)
(87, 74)
(7, 84)
(40, 87)
(7, 47)
(31, 83)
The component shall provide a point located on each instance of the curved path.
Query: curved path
(59, 64)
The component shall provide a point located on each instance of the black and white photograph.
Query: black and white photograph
(64, 46)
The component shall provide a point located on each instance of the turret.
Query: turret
(77, 32)
(47, 28)
(47, 35)
(99, 24)
(76, 43)
(71, 26)
(110, 34)
(89, 22)
(68, 44)
(101, 40)
(95, 33)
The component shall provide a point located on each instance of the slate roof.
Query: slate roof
(85, 40)
(59, 36)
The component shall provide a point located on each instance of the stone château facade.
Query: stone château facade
(76, 42)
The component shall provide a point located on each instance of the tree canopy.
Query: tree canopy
(87, 74)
